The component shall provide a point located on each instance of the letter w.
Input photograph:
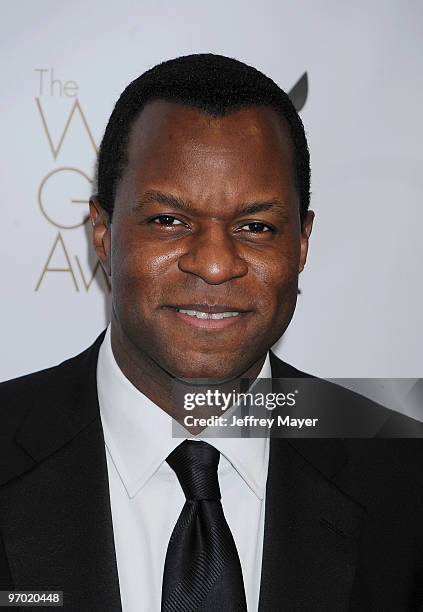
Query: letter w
(56, 149)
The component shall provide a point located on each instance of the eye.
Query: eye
(167, 220)
(256, 227)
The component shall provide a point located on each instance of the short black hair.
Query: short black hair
(215, 84)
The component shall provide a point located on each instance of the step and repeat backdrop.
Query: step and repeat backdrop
(353, 70)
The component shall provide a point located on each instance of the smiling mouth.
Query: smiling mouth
(207, 316)
(215, 316)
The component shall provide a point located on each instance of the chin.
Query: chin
(206, 369)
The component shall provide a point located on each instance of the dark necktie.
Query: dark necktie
(202, 571)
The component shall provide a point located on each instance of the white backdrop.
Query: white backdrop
(63, 66)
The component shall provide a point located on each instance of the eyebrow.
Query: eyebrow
(159, 197)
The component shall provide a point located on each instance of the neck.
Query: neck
(164, 389)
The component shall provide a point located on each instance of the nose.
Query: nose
(213, 256)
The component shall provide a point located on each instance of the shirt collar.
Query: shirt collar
(138, 433)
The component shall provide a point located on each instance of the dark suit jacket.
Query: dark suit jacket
(343, 526)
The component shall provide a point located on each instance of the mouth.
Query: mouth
(207, 316)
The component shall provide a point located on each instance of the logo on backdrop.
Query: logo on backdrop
(298, 94)
(60, 192)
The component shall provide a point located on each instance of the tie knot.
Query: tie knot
(195, 465)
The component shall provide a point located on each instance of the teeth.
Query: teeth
(206, 315)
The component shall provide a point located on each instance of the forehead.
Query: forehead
(172, 142)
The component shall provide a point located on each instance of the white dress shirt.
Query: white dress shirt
(145, 494)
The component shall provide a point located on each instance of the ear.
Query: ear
(101, 233)
(305, 235)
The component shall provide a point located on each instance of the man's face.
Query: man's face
(205, 224)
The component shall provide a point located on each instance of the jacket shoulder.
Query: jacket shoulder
(24, 388)
(20, 395)
(282, 369)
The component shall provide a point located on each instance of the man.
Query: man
(202, 221)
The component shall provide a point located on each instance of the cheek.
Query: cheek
(135, 256)
(138, 275)
(277, 278)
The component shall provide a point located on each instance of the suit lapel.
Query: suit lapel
(68, 544)
(311, 526)
(311, 532)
